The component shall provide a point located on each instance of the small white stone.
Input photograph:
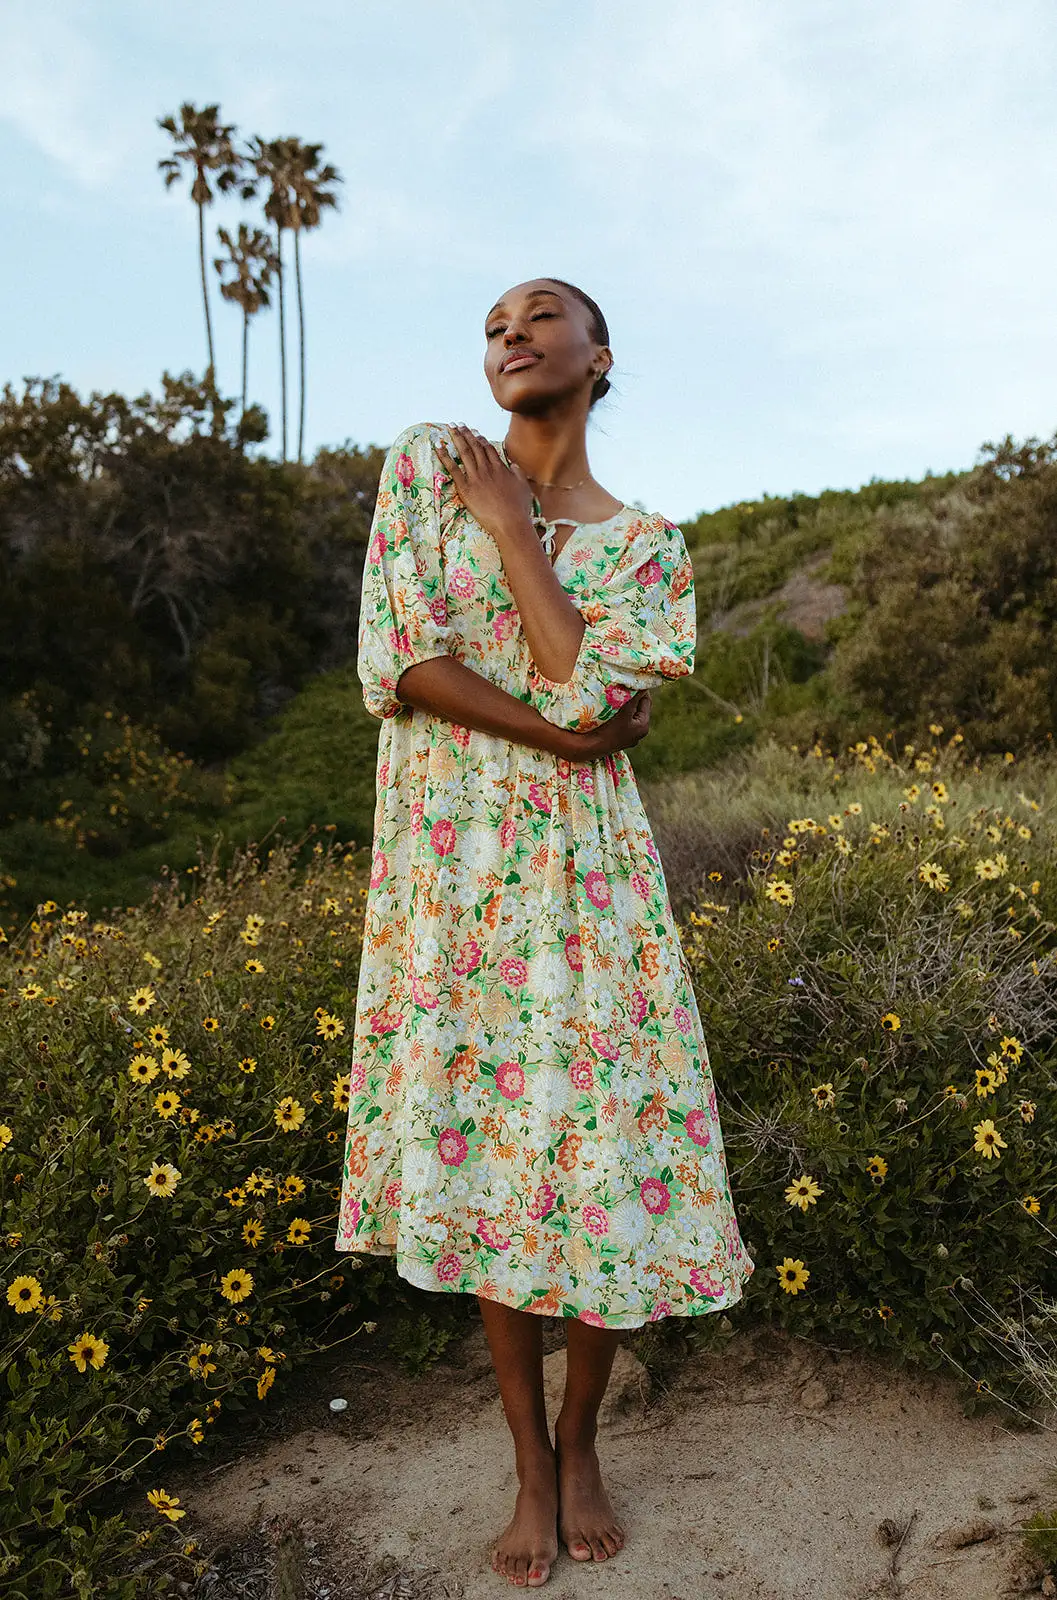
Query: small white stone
(339, 1405)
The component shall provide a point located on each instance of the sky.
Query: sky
(823, 232)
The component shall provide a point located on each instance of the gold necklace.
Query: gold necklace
(540, 482)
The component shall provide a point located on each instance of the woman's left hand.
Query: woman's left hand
(497, 496)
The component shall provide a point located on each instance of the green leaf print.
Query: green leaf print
(375, 1111)
(468, 1126)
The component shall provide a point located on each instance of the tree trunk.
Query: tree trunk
(301, 328)
(245, 357)
(211, 374)
(282, 331)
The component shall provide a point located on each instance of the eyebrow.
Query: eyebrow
(535, 294)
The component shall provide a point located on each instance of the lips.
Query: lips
(519, 359)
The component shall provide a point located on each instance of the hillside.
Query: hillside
(178, 629)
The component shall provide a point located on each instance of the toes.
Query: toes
(539, 1572)
(612, 1541)
(598, 1549)
(578, 1547)
(520, 1570)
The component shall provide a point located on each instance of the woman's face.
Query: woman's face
(539, 349)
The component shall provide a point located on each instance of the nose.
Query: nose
(514, 333)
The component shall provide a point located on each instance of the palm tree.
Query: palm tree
(307, 180)
(252, 259)
(203, 143)
(273, 160)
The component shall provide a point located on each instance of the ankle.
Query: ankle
(534, 1461)
(571, 1433)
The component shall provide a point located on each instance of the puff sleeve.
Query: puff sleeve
(641, 630)
(403, 611)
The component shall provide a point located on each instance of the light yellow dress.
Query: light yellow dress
(531, 1115)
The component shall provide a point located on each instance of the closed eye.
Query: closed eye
(498, 327)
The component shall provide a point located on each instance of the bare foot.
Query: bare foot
(526, 1549)
(587, 1522)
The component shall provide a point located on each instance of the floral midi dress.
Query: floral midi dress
(531, 1114)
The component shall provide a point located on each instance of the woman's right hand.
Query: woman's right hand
(620, 732)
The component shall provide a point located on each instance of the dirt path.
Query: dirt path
(772, 1469)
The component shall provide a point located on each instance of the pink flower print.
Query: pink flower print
(539, 797)
(638, 1008)
(617, 694)
(663, 1308)
(379, 869)
(510, 1079)
(543, 1201)
(468, 958)
(379, 545)
(439, 480)
(357, 1077)
(641, 885)
(682, 1019)
(593, 1318)
(705, 1283)
(385, 1022)
(402, 642)
(655, 1196)
(649, 573)
(448, 1268)
(697, 1129)
(491, 1234)
(585, 780)
(352, 1216)
(462, 582)
(438, 610)
(651, 850)
(460, 736)
(596, 1220)
(423, 993)
(392, 1194)
(417, 812)
(596, 888)
(383, 775)
(711, 1101)
(513, 971)
(602, 1045)
(452, 1147)
(405, 470)
(582, 1073)
(564, 768)
(573, 952)
(504, 624)
(442, 836)
(507, 832)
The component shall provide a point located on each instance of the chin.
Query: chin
(528, 402)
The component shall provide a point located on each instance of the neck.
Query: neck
(549, 449)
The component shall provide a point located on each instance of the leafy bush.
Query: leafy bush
(879, 992)
(173, 1112)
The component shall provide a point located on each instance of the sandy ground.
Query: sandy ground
(772, 1469)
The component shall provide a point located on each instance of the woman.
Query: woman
(531, 1114)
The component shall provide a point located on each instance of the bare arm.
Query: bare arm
(448, 688)
(501, 501)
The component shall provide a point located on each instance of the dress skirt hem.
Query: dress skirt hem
(425, 1278)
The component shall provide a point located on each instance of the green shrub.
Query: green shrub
(171, 1130)
(877, 986)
